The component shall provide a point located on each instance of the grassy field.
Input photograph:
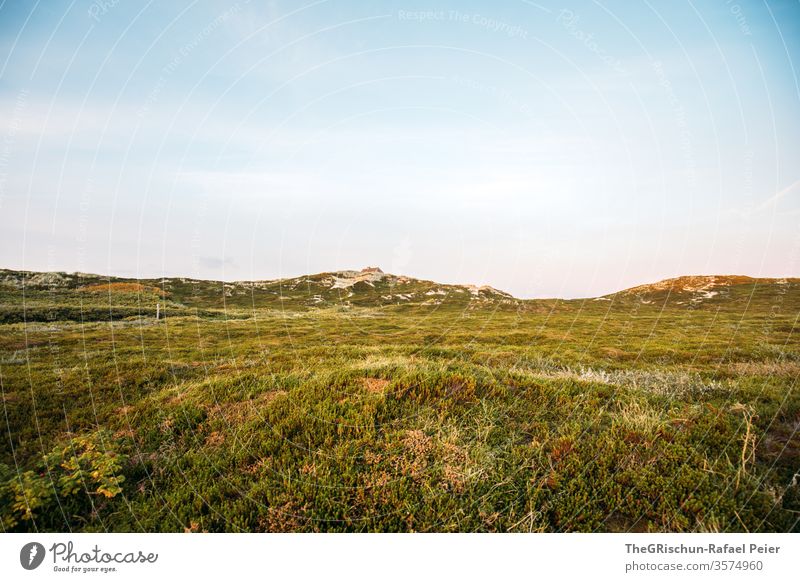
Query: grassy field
(367, 402)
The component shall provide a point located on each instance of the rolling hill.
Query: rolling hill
(89, 297)
(369, 287)
(714, 291)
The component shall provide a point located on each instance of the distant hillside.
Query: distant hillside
(34, 296)
(370, 287)
(714, 291)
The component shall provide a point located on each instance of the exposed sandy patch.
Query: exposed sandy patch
(375, 385)
(346, 279)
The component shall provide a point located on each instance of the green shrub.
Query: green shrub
(84, 465)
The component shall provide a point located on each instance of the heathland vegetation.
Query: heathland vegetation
(360, 401)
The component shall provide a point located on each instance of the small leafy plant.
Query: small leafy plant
(85, 464)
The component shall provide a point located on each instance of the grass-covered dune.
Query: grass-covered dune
(359, 401)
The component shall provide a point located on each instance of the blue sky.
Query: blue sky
(548, 149)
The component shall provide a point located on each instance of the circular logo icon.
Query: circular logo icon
(31, 555)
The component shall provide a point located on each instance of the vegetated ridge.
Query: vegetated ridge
(93, 294)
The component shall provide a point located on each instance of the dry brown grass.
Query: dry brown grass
(375, 385)
(748, 455)
(284, 518)
(123, 288)
(417, 447)
(769, 368)
(215, 439)
(237, 412)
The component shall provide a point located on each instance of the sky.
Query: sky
(549, 149)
